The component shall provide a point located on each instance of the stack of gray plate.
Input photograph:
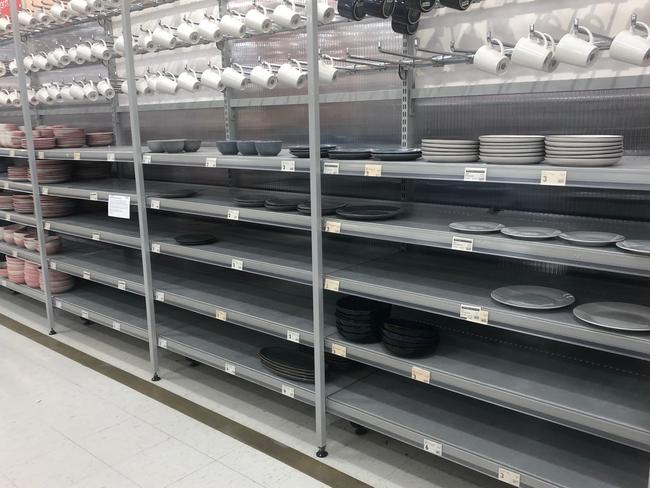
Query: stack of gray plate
(512, 149)
(449, 150)
(587, 150)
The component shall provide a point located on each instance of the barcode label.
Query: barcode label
(288, 391)
(110, 157)
(96, 236)
(420, 374)
(332, 285)
(232, 214)
(293, 336)
(333, 227)
(210, 162)
(76, 156)
(86, 275)
(40, 155)
(146, 158)
(47, 226)
(162, 343)
(473, 313)
(433, 447)
(331, 168)
(160, 296)
(237, 264)
(155, 204)
(510, 477)
(84, 314)
(553, 178)
(53, 265)
(121, 285)
(230, 369)
(116, 326)
(93, 196)
(372, 170)
(45, 190)
(462, 243)
(339, 350)
(155, 247)
(475, 174)
(221, 315)
(288, 166)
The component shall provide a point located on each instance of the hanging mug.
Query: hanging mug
(85, 52)
(4, 97)
(491, 60)
(151, 80)
(263, 76)
(327, 72)
(532, 51)
(31, 96)
(286, 16)
(100, 50)
(209, 29)
(258, 20)
(43, 95)
(13, 67)
(211, 78)
(291, 74)
(90, 91)
(630, 47)
(3, 69)
(166, 83)
(105, 89)
(51, 58)
(5, 23)
(80, 7)
(55, 92)
(14, 98)
(146, 42)
(163, 37)
(77, 91)
(233, 26)
(61, 55)
(25, 18)
(187, 31)
(41, 62)
(72, 52)
(142, 87)
(188, 80)
(326, 13)
(28, 63)
(60, 13)
(44, 18)
(66, 95)
(234, 77)
(576, 51)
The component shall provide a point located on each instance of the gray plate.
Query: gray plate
(511, 160)
(615, 315)
(592, 239)
(532, 297)
(637, 246)
(476, 227)
(531, 233)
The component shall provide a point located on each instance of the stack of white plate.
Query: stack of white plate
(587, 150)
(512, 149)
(449, 150)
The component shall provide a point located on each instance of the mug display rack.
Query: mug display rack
(509, 392)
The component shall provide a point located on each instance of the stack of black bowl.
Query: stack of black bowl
(407, 338)
(303, 151)
(359, 319)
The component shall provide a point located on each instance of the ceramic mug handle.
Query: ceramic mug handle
(582, 29)
(297, 63)
(497, 41)
(643, 26)
(238, 67)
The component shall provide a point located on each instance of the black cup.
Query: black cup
(456, 4)
(421, 5)
(408, 29)
(405, 15)
(379, 8)
(351, 9)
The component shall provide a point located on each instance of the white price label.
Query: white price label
(45, 190)
(162, 343)
(12, 153)
(160, 296)
(47, 226)
(121, 285)
(5, 185)
(86, 275)
(40, 155)
(155, 247)
(96, 236)
(14, 253)
(553, 178)
(84, 314)
(420, 374)
(433, 447)
(510, 477)
(232, 214)
(237, 264)
(210, 162)
(332, 285)
(288, 391)
(462, 243)
(230, 369)
(339, 350)
(330, 168)
(221, 315)
(58, 304)
(155, 204)
(8, 216)
(293, 336)
(53, 265)
(76, 156)
(372, 170)
(472, 313)
(110, 157)
(475, 174)
(116, 326)
(94, 196)
(332, 226)
(3, 282)
(146, 158)
(119, 206)
(288, 166)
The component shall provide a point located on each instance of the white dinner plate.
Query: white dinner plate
(590, 138)
(639, 246)
(513, 153)
(450, 142)
(476, 227)
(591, 239)
(450, 159)
(511, 160)
(584, 153)
(511, 138)
(531, 233)
(532, 297)
(615, 315)
(579, 162)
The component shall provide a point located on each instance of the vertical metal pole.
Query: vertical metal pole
(31, 157)
(229, 117)
(316, 232)
(111, 68)
(139, 185)
(407, 140)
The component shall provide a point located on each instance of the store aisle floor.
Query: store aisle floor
(64, 425)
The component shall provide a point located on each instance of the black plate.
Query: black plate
(327, 208)
(323, 147)
(195, 239)
(281, 204)
(354, 306)
(357, 329)
(350, 154)
(292, 357)
(397, 154)
(406, 352)
(405, 340)
(409, 328)
(368, 212)
(183, 193)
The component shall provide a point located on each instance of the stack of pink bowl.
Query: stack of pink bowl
(32, 274)
(99, 138)
(52, 245)
(69, 136)
(20, 235)
(18, 173)
(40, 143)
(52, 171)
(59, 282)
(92, 171)
(8, 232)
(23, 204)
(3, 269)
(6, 201)
(56, 206)
(16, 269)
(45, 131)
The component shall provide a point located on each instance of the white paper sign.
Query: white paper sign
(288, 391)
(119, 206)
(553, 178)
(473, 313)
(509, 477)
(288, 166)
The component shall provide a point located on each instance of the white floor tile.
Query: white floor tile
(215, 475)
(5, 483)
(107, 478)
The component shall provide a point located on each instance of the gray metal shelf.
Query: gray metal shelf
(123, 154)
(99, 190)
(97, 227)
(488, 439)
(444, 284)
(22, 186)
(13, 153)
(19, 218)
(211, 158)
(19, 252)
(35, 293)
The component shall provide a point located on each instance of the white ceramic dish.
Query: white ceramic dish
(476, 227)
(615, 315)
(635, 245)
(531, 233)
(450, 159)
(591, 239)
(532, 297)
(511, 160)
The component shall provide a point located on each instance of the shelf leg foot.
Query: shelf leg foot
(13, 292)
(155, 377)
(51, 332)
(359, 429)
(86, 322)
(193, 363)
(322, 452)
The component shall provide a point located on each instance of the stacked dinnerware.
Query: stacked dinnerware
(292, 362)
(407, 338)
(19, 237)
(32, 273)
(59, 282)
(303, 151)
(585, 150)
(18, 173)
(359, 319)
(40, 143)
(511, 149)
(99, 138)
(52, 171)
(6, 201)
(16, 269)
(23, 204)
(3, 270)
(449, 150)
(56, 206)
(53, 245)
(8, 232)
(95, 171)
(69, 136)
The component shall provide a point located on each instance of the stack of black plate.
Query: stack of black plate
(358, 319)
(407, 338)
(282, 204)
(294, 363)
(196, 239)
(339, 362)
(350, 153)
(303, 151)
(327, 207)
(368, 212)
(180, 193)
(399, 154)
(250, 200)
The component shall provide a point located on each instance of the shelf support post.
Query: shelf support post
(229, 116)
(31, 157)
(407, 139)
(111, 67)
(139, 185)
(316, 226)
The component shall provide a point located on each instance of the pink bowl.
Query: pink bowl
(4, 273)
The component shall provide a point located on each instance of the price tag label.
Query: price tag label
(330, 168)
(3, 282)
(332, 285)
(116, 325)
(420, 374)
(237, 264)
(76, 156)
(93, 196)
(232, 214)
(293, 336)
(14, 253)
(155, 247)
(8, 216)
(372, 170)
(475, 174)
(510, 477)
(45, 190)
(288, 166)
(96, 236)
(84, 314)
(160, 296)
(40, 155)
(57, 303)
(472, 313)
(110, 157)
(121, 285)
(146, 158)
(339, 350)
(210, 162)
(5, 185)
(53, 265)
(553, 178)
(332, 226)
(230, 369)
(47, 226)
(155, 204)
(433, 447)
(221, 315)
(462, 243)
(288, 391)
(162, 343)
(86, 275)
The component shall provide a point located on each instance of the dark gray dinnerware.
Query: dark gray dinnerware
(368, 212)
(456, 4)
(405, 15)
(476, 227)
(250, 201)
(155, 146)
(227, 148)
(532, 297)
(396, 154)
(327, 207)
(615, 315)
(424, 5)
(351, 9)
(195, 239)
(591, 239)
(192, 145)
(282, 204)
(638, 246)
(404, 29)
(182, 193)
(381, 9)
(173, 145)
(247, 148)
(268, 148)
(531, 233)
(350, 153)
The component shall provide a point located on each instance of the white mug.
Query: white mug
(55, 92)
(85, 52)
(492, 60)
(31, 95)
(258, 20)
(44, 18)
(3, 69)
(211, 78)
(105, 89)
(151, 80)
(80, 7)
(263, 76)
(66, 95)
(95, 4)
(146, 42)
(234, 77)
(142, 87)
(51, 58)
(291, 74)
(124, 86)
(14, 98)
(163, 37)
(60, 13)
(326, 13)
(327, 72)
(77, 91)
(43, 95)
(90, 91)
(26, 18)
(41, 62)
(286, 16)
(166, 83)
(188, 81)
(532, 51)
(576, 51)
(13, 67)
(553, 63)
(630, 47)
(188, 32)
(100, 50)
(5, 23)
(232, 26)
(4, 97)
(72, 52)
(28, 63)
(209, 29)
(61, 55)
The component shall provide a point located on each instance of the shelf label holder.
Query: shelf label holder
(237, 264)
(293, 336)
(210, 162)
(433, 447)
(155, 204)
(232, 214)
(474, 313)
(288, 391)
(121, 285)
(116, 326)
(230, 369)
(459, 243)
(333, 227)
(332, 284)
(553, 178)
(339, 350)
(372, 170)
(475, 174)
(160, 296)
(221, 315)
(510, 477)
(330, 168)
(288, 165)
(420, 374)
(162, 343)
(86, 275)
